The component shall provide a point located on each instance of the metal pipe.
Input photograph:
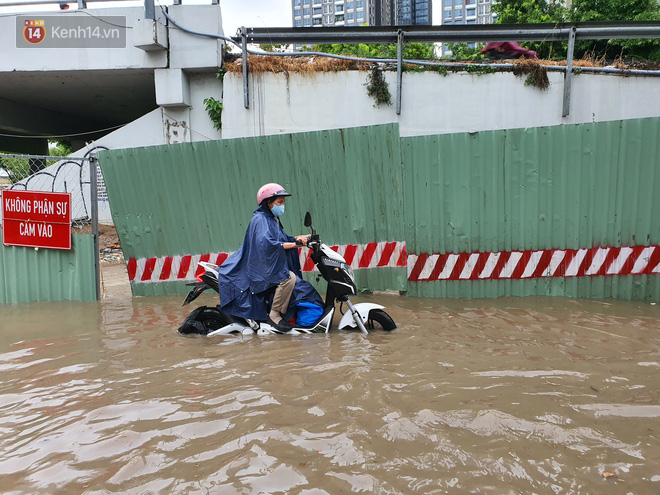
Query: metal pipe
(568, 75)
(614, 70)
(467, 33)
(246, 86)
(399, 70)
(94, 198)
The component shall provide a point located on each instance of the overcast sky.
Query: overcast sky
(254, 13)
(235, 13)
(269, 13)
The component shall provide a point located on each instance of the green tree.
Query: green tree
(617, 10)
(59, 148)
(538, 11)
(528, 11)
(272, 48)
(463, 51)
(413, 51)
(16, 168)
(534, 11)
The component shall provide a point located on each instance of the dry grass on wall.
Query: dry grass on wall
(532, 68)
(537, 75)
(300, 65)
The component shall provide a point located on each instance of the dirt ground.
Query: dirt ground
(114, 277)
(108, 238)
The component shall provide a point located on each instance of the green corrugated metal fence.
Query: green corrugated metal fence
(28, 274)
(198, 198)
(563, 187)
(552, 188)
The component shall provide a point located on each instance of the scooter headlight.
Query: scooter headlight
(349, 270)
(339, 265)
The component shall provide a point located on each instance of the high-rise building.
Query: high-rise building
(385, 12)
(414, 12)
(311, 13)
(467, 12)
(459, 12)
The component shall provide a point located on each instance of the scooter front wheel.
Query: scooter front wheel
(204, 320)
(380, 317)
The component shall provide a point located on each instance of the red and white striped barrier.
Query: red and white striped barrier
(172, 268)
(637, 260)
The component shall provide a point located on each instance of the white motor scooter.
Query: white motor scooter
(332, 267)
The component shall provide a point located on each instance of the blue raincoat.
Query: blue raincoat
(260, 264)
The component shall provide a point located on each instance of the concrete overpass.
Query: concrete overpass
(89, 91)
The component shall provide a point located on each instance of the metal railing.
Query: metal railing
(453, 34)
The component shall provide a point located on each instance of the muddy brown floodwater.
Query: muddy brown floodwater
(506, 396)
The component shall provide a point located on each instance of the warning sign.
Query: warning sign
(36, 219)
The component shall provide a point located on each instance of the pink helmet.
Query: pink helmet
(268, 191)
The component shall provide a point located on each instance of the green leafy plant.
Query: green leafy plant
(59, 148)
(463, 51)
(378, 88)
(379, 50)
(413, 68)
(535, 11)
(214, 109)
(480, 70)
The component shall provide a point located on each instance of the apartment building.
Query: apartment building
(414, 12)
(467, 12)
(461, 12)
(313, 13)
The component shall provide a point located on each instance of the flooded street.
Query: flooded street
(532, 395)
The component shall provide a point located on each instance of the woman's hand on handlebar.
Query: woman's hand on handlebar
(302, 240)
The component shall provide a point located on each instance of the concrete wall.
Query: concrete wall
(185, 51)
(431, 103)
(172, 124)
(23, 59)
(165, 125)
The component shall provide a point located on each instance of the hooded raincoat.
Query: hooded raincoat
(260, 264)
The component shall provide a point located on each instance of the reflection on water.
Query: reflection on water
(499, 396)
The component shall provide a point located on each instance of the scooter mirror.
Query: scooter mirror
(308, 220)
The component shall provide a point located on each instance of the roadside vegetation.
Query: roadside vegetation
(541, 11)
(19, 168)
